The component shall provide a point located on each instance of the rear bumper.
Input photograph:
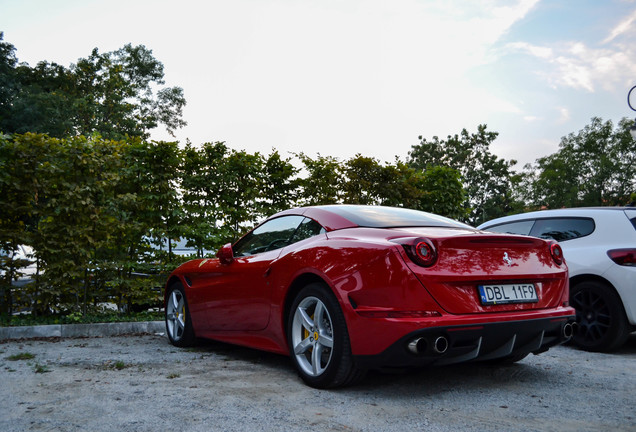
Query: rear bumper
(477, 342)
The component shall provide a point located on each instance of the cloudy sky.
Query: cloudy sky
(340, 77)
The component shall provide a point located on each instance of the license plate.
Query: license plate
(509, 293)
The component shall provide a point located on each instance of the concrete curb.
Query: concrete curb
(81, 330)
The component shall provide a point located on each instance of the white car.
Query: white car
(599, 246)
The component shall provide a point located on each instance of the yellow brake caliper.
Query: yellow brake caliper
(306, 334)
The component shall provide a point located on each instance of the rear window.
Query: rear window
(631, 214)
(392, 217)
(559, 229)
(562, 229)
(522, 227)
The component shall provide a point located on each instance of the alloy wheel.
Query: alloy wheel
(176, 315)
(312, 336)
(593, 315)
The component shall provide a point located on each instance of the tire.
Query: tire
(178, 322)
(602, 324)
(318, 339)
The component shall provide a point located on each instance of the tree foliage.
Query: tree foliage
(279, 184)
(202, 183)
(485, 177)
(322, 183)
(89, 207)
(594, 167)
(8, 62)
(367, 181)
(111, 93)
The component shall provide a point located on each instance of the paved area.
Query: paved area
(142, 383)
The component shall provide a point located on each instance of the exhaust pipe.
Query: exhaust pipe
(417, 345)
(441, 345)
(568, 330)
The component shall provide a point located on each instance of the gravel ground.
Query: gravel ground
(142, 383)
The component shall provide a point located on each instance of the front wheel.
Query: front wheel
(178, 322)
(318, 339)
(602, 324)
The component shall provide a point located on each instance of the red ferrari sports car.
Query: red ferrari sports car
(344, 288)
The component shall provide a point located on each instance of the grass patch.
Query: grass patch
(117, 365)
(75, 318)
(41, 368)
(21, 356)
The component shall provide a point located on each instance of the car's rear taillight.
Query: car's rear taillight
(624, 257)
(420, 250)
(556, 252)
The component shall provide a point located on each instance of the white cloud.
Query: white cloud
(564, 115)
(545, 53)
(625, 26)
(580, 66)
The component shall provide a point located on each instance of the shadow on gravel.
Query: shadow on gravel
(236, 352)
(628, 348)
(436, 380)
(427, 381)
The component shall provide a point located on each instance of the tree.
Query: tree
(363, 180)
(43, 101)
(76, 218)
(593, 167)
(115, 94)
(442, 192)
(278, 185)
(18, 191)
(112, 94)
(8, 83)
(202, 183)
(88, 206)
(223, 193)
(148, 212)
(240, 190)
(323, 181)
(485, 177)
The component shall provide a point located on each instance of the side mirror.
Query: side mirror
(225, 254)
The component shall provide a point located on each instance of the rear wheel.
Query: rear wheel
(602, 324)
(178, 322)
(318, 339)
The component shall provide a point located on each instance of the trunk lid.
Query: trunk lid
(467, 260)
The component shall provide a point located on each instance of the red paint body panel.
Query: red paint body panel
(245, 302)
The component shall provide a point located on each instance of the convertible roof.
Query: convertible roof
(340, 216)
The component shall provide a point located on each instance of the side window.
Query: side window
(522, 227)
(308, 228)
(561, 229)
(273, 234)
